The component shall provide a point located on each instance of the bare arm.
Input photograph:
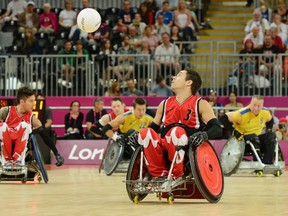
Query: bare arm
(3, 113)
(36, 123)
(206, 111)
(119, 120)
(157, 118)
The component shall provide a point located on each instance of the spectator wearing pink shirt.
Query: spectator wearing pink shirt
(151, 38)
(48, 20)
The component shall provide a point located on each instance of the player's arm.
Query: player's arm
(108, 128)
(156, 122)
(227, 121)
(269, 123)
(38, 128)
(96, 127)
(3, 113)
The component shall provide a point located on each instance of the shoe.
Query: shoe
(168, 185)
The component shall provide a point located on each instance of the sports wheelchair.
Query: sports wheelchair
(241, 157)
(34, 166)
(203, 177)
(115, 152)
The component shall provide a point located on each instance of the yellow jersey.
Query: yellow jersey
(250, 123)
(131, 122)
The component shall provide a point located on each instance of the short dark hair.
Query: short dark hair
(74, 101)
(97, 100)
(195, 77)
(23, 93)
(139, 101)
(159, 78)
(117, 99)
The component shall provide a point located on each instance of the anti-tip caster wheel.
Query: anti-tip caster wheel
(170, 199)
(136, 199)
(39, 179)
(259, 173)
(24, 180)
(278, 173)
(158, 195)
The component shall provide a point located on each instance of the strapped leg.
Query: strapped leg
(153, 152)
(6, 144)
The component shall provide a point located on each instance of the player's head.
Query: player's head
(98, 104)
(26, 98)
(139, 107)
(256, 104)
(117, 106)
(186, 79)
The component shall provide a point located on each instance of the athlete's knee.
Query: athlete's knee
(146, 135)
(177, 136)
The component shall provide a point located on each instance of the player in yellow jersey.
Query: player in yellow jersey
(249, 122)
(136, 120)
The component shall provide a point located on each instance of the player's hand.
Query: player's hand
(133, 139)
(196, 139)
(120, 139)
(238, 135)
(254, 139)
(60, 160)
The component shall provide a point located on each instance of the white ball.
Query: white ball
(89, 20)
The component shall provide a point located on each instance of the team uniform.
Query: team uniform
(131, 122)
(252, 124)
(179, 122)
(14, 133)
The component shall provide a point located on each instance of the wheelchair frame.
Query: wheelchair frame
(203, 177)
(34, 166)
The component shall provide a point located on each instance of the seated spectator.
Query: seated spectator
(114, 90)
(256, 36)
(146, 15)
(94, 115)
(151, 38)
(212, 100)
(279, 27)
(138, 24)
(276, 39)
(165, 11)
(100, 36)
(28, 19)
(190, 5)
(257, 20)
(282, 129)
(14, 9)
(132, 91)
(282, 11)
(30, 44)
(48, 21)
(266, 11)
(167, 57)
(160, 27)
(67, 17)
(67, 64)
(81, 62)
(233, 102)
(182, 19)
(161, 89)
(143, 61)
(134, 39)
(175, 37)
(126, 16)
(73, 122)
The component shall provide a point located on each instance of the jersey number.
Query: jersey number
(188, 114)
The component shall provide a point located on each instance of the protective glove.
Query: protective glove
(60, 160)
(133, 139)
(254, 139)
(238, 135)
(197, 138)
(120, 139)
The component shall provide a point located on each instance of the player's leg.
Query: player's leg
(267, 141)
(6, 144)
(153, 152)
(23, 130)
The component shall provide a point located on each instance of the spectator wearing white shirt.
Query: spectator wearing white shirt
(256, 36)
(257, 20)
(14, 8)
(67, 17)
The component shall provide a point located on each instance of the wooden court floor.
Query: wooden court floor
(81, 190)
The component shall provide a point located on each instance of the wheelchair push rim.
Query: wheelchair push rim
(232, 155)
(207, 171)
(113, 157)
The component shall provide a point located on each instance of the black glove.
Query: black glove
(254, 139)
(237, 134)
(121, 140)
(133, 139)
(60, 160)
(197, 138)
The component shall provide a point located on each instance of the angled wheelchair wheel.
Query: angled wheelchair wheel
(232, 155)
(133, 174)
(207, 171)
(101, 166)
(113, 157)
(38, 157)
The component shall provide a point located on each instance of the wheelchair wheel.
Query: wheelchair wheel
(133, 173)
(207, 171)
(101, 166)
(113, 157)
(232, 155)
(38, 157)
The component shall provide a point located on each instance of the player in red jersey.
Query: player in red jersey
(185, 118)
(118, 107)
(17, 122)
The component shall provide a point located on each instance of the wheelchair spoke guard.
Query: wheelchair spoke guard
(231, 155)
(39, 159)
(207, 171)
(113, 157)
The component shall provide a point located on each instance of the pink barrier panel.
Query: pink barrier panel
(91, 151)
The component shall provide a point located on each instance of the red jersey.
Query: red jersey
(112, 115)
(186, 113)
(13, 119)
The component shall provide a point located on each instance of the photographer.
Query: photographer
(281, 131)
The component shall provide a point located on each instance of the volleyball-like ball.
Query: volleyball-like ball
(89, 20)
